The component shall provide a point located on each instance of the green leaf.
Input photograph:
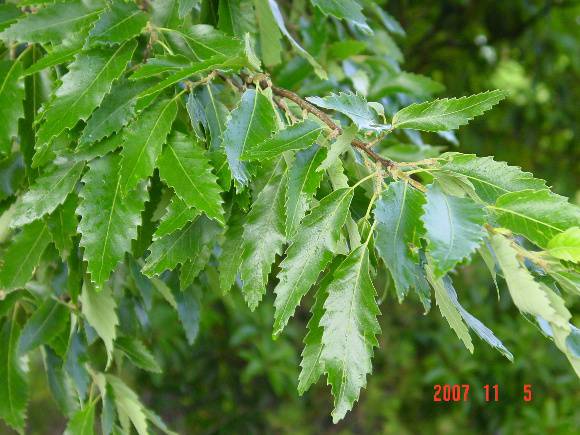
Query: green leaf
(177, 215)
(137, 353)
(178, 247)
(54, 22)
(59, 383)
(352, 105)
(538, 215)
(303, 182)
(23, 255)
(232, 250)
(250, 123)
(449, 310)
(108, 222)
(49, 320)
(566, 245)
(526, 293)
(473, 323)
(83, 88)
(217, 115)
(47, 193)
(453, 228)
(349, 328)
(76, 357)
(489, 178)
(143, 141)
(184, 166)
(446, 114)
(264, 237)
(82, 422)
(312, 248)
(121, 22)
(11, 99)
(61, 54)
(99, 308)
(270, 44)
(62, 225)
(188, 309)
(116, 110)
(312, 364)
(129, 407)
(296, 137)
(398, 216)
(349, 10)
(338, 147)
(279, 18)
(13, 382)
(203, 42)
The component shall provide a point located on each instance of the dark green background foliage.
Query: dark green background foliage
(152, 178)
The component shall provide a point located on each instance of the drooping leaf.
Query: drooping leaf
(311, 250)
(409, 83)
(264, 236)
(58, 382)
(23, 254)
(217, 115)
(453, 228)
(177, 215)
(270, 44)
(232, 250)
(116, 110)
(176, 248)
(83, 88)
(312, 363)
(250, 123)
(526, 293)
(489, 178)
(352, 105)
(473, 323)
(188, 309)
(566, 245)
(83, 421)
(237, 17)
(49, 319)
(279, 18)
(100, 309)
(137, 353)
(538, 215)
(13, 382)
(121, 22)
(447, 113)
(350, 327)
(398, 216)
(62, 225)
(143, 142)
(349, 10)
(54, 22)
(11, 99)
(184, 166)
(76, 357)
(47, 193)
(448, 309)
(296, 137)
(303, 182)
(108, 222)
(129, 407)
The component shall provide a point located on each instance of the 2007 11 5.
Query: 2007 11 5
(451, 393)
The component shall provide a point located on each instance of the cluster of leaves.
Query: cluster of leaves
(147, 155)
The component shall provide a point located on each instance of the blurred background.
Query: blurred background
(236, 380)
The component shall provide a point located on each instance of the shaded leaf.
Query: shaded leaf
(177, 215)
(352, 105)
(137, 353)
(349, 10)
(49, 320)
(121, 22)
(11, 100)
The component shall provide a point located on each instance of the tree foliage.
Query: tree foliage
(187, 146)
